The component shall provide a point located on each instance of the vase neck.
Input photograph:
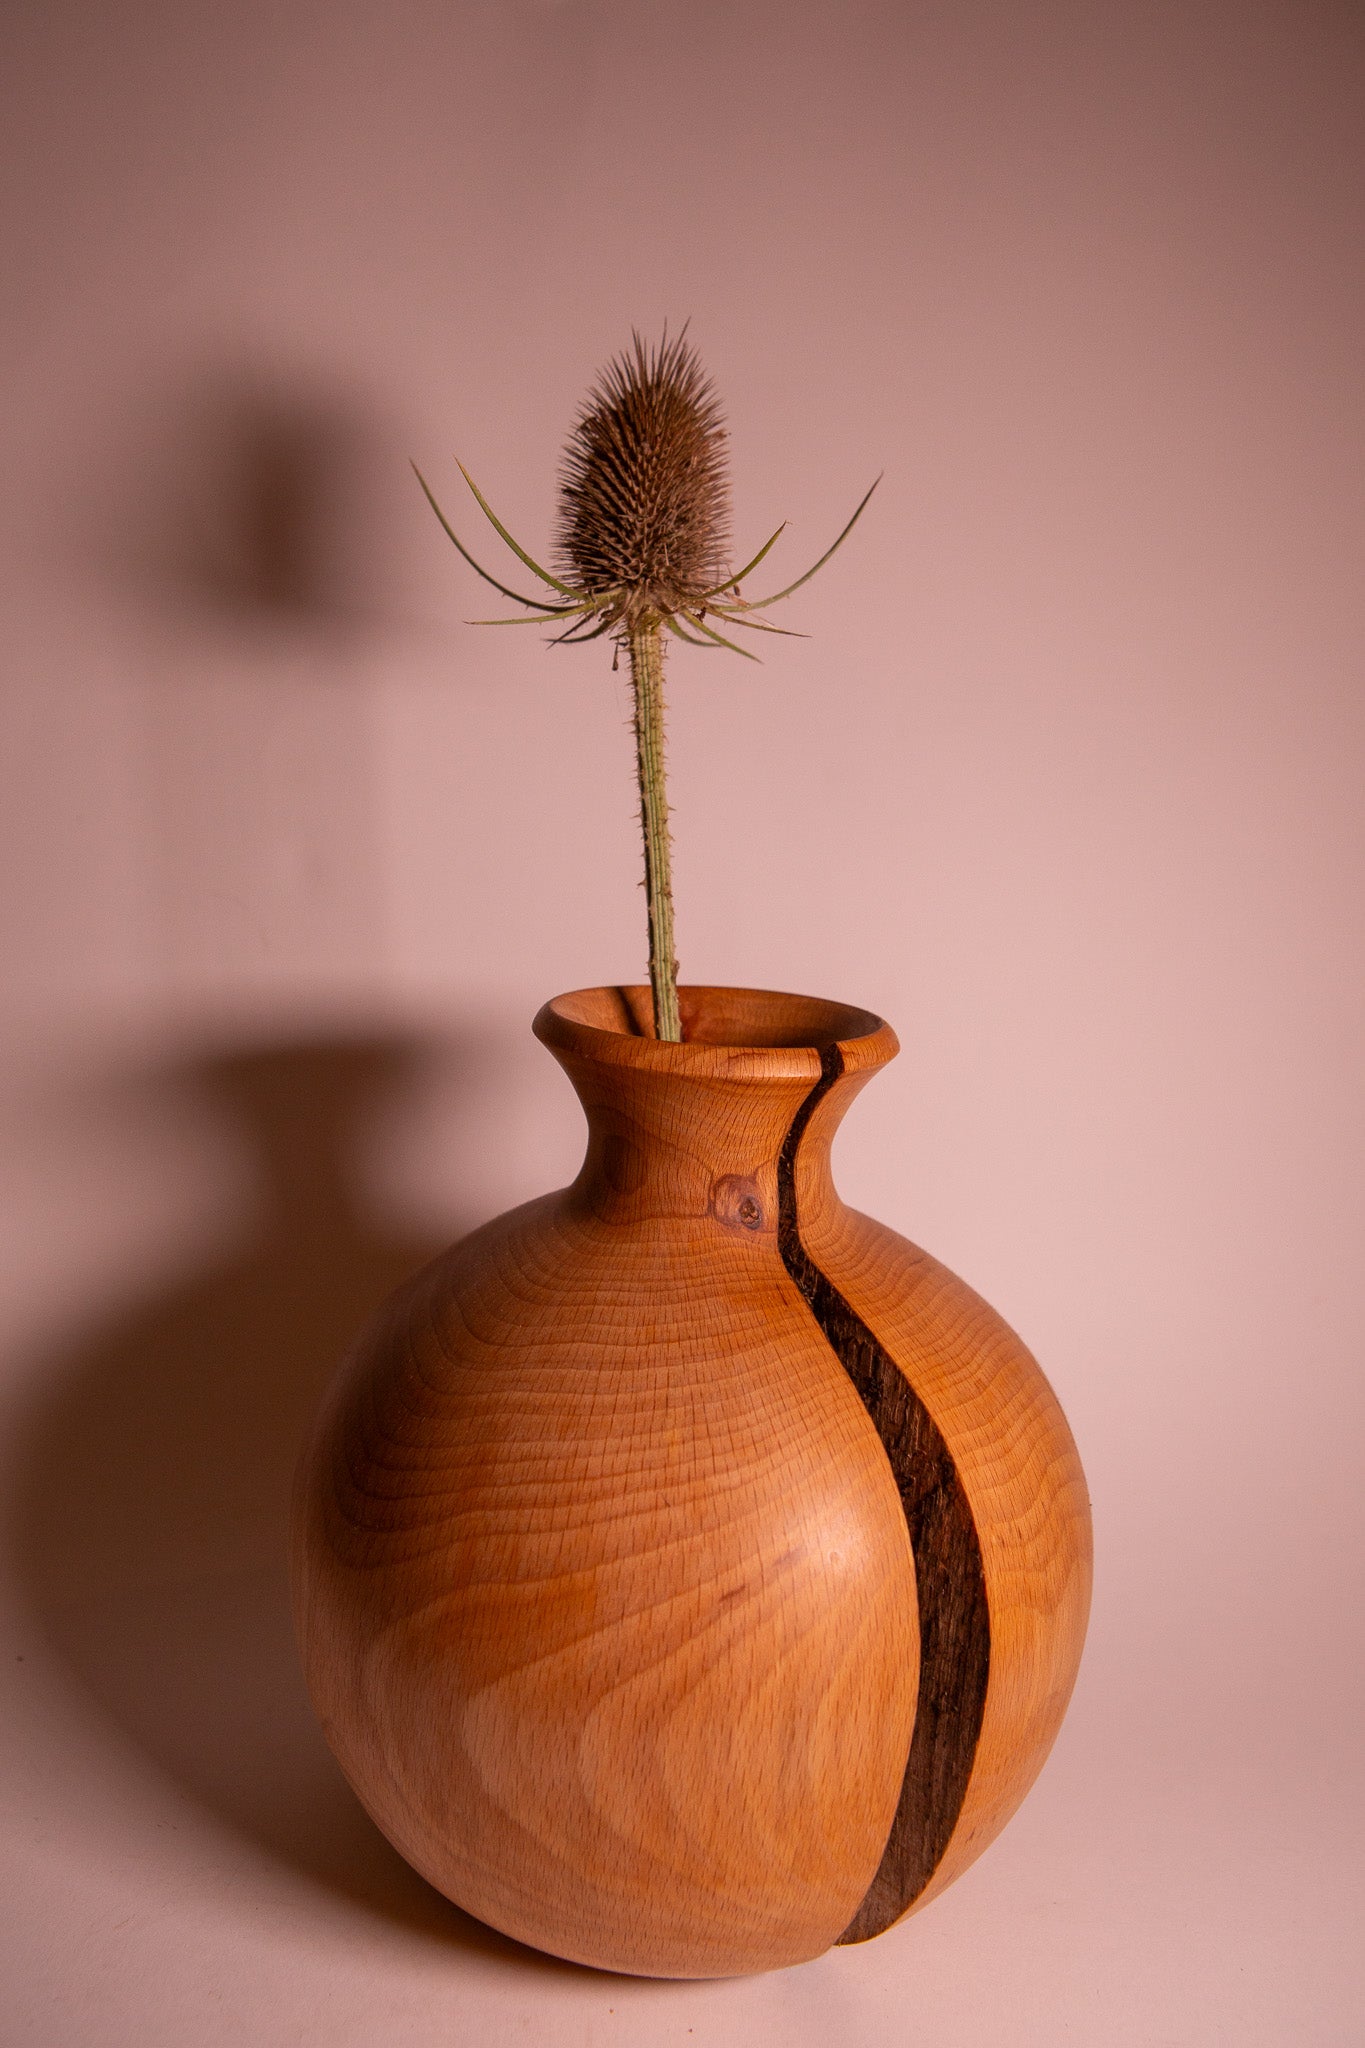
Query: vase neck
(698, 1129)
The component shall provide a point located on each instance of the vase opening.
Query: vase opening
(733, 1019)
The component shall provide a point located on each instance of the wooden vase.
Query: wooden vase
(689, 1572)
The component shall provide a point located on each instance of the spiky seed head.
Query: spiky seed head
(644, 499)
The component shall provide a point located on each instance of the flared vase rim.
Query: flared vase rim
(732, 1033)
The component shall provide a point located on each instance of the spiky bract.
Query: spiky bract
(644, 500)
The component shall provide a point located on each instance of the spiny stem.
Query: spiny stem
(647, 676)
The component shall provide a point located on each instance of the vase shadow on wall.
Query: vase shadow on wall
(150, 1517)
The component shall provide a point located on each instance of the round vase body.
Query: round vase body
(689, 1572)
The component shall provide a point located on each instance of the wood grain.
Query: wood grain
(604, 1580)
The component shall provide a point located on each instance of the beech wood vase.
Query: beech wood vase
(690, 1573)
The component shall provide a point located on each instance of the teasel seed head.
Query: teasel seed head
(644, 516)
(644, 495)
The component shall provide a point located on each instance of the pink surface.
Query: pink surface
(1066, 783)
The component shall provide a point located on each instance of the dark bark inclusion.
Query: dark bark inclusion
(954, 1621)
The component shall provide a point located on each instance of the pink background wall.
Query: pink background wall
(1066, 783)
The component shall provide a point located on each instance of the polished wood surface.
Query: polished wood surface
(622, 1528)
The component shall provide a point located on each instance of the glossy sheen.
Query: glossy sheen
(621, 1530)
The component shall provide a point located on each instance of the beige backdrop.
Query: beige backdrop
(1066, 783)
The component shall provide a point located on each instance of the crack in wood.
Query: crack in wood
(954, 1619)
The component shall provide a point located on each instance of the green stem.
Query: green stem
(647, 676)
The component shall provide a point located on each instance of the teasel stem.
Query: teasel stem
(647, 677)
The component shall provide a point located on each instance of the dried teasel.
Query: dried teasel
(642, 542)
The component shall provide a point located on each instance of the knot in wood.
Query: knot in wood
(737, 1203)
